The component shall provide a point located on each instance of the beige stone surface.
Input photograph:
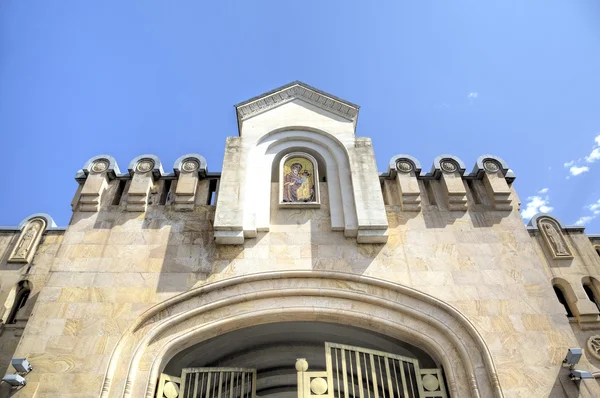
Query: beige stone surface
(443, 263)
(111, 266)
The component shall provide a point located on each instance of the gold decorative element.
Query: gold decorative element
(301, 365)
(28, 241)
(430, 382)
(189, 165)
(449, 166)
(170, 390)
(554, 238)
(100, 165)
(145, 165)
(318, 386)
(168, 386)
(593, 346)
(404, 166)
(491, 166)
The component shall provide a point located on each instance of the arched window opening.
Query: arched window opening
(561, 298)
(597, 250)
(21, 296)
(589, 290)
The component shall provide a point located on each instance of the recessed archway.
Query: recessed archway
(273, 348)
(396, 311)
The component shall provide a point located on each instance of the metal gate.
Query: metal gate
(209, 383)
(354, 372)
(351, 372)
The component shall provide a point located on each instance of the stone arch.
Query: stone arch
(16, 299)
(594, 288)
(568, 293)
(261, 159)
(395, 310)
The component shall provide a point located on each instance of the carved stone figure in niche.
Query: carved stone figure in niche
(27, 242)
(555, 239)
(298, 180)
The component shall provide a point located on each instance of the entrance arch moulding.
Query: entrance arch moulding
(220, 307)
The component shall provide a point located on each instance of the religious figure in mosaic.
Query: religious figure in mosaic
(298, 180)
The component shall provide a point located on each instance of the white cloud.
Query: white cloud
(584, 220)
(534, 205)
(595, 207)
(593, 156)
(576, 170)
(473, 95)
(543, 190)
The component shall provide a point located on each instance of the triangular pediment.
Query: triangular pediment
(297, 91)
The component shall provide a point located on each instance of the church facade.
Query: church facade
(299, 270)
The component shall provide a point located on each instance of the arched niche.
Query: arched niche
(32, 230)
(393, 310)
(591, 286)
(299, 180)
(263, 158)
(17, 298)
(322, 169)
(568, 295)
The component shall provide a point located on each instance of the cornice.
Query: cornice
(293, 91)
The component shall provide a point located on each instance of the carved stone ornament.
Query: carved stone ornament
(430, 382)
(171, 390)
(593, 346)
(404, 166)
(144, 165)
(554, 238)
(491, 166)
(28, 241)
(100, 165)
(318, 386)
(189, 165)
(449, 166)
(297, 91)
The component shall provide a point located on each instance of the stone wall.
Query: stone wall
(35, 273)
(111, 266)
(440, 259)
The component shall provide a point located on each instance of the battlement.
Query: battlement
(405, 183)
(101, 184)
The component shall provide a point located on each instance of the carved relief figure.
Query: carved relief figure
(27, 242)
(555, 239)
(298, 180)
(27, 239)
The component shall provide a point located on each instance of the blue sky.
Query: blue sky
(518, 79)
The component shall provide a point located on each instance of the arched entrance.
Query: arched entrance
(392, 310)
(271, 352)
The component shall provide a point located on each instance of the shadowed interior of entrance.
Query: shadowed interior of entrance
(272, 349)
